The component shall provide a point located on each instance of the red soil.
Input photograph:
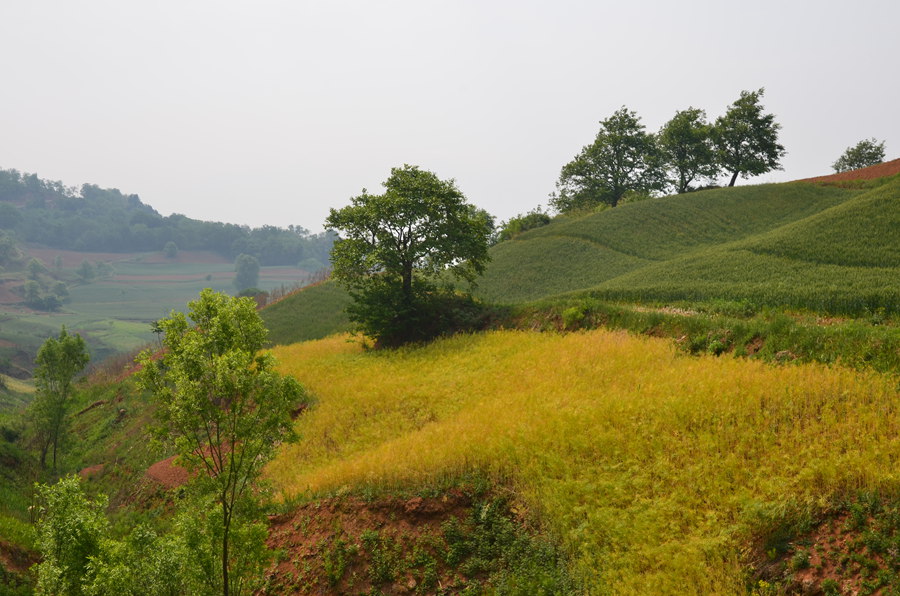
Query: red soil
(16, 559)
(72, 259)
(168, 473)
(888, 168)
(90, 471)
(312, 531)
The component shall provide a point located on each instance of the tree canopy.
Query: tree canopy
(395, 247)
(622, 158)
(867, 152)
(685, 143)
(746, 139)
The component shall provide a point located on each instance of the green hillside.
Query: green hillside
(843, 260)
(312, 313)
(820, 247)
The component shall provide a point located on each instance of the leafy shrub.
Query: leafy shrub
(535, 218)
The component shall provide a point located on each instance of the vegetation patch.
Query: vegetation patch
(456, 542)
(854, 548)
(650, 466)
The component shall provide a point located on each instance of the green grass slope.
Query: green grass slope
(632, 237)
(863, 232)
(843, 260)
(312, 313)
(799, 244)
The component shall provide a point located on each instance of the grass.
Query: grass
(652, 469)
(520, 269)
(797, 245)
(312, 313)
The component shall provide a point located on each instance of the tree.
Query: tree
(246, 269)
(746, 139)
(171, 250)
(58, 362)
(35, 269)
(867, 152)
(226, 408)
(86, 271)
(622, 157)
(395, 248)
(535, 218)
(685, 142)
(80, 558)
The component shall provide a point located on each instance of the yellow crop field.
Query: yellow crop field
(653, 469)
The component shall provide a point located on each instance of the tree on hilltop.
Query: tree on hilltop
(685, 143)
(622, 158)
(396, 247)
(867, 152)
(746, 139)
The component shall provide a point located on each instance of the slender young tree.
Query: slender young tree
(226, 409)
(58, 363)
(746, 139)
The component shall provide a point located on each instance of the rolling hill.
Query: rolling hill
(819, 246)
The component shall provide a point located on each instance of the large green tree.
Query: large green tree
(746, 138)
(685, 143)
(867, 152)
(227, 409)
(59, 360)
(623, 157)
(396, 247)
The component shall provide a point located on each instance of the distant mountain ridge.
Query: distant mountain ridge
(95, 219)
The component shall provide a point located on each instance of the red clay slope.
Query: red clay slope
(887, 168)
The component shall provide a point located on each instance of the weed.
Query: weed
(338, 555)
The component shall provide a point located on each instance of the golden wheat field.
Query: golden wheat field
(653, 469)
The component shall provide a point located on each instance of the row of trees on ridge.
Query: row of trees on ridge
(688, 150)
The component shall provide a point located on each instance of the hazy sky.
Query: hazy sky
(270, 112)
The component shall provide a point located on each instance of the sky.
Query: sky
(270, 112)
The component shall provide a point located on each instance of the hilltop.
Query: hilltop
(815, 246)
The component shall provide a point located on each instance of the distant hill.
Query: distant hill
(94, 219)
(814, 245)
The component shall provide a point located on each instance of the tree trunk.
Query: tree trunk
(225, 530)
(733, 178)
(407, 285)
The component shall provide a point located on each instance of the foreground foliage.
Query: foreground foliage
(651, 482)
(227, 410)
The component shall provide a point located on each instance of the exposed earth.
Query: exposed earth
(888, 168)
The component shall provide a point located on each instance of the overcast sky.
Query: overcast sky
(270, 112)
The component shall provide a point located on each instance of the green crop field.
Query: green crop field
(114, 314)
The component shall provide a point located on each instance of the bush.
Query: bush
(522, 223)
(383, 315)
